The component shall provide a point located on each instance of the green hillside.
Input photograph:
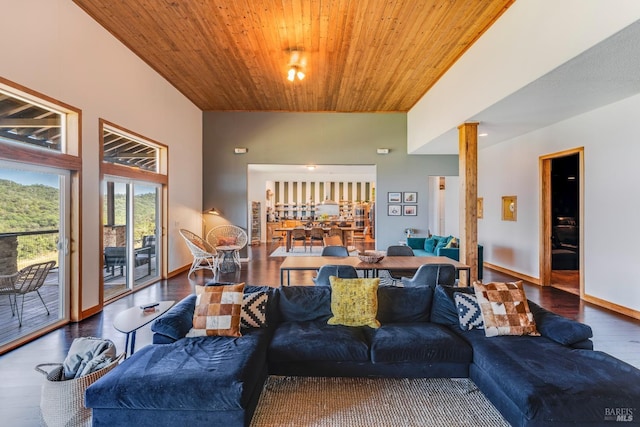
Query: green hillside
(25, 208)
(28, 207)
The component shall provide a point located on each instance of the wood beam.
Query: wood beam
(29, 123)
(468, 171)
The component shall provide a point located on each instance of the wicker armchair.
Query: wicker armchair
(205, 257)
(29, 279)
(229, 235)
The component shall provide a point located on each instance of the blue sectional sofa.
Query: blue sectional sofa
(439, 246)
(552, 380)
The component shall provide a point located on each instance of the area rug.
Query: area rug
(345, 402)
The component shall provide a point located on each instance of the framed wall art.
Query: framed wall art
(410, 210)
(395, 197)
(410, 197)
(509, 208)
(394, 210)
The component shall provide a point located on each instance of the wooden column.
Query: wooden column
(468, 171)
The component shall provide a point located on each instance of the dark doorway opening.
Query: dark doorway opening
(565, 217)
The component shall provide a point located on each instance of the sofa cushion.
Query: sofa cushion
(415, 242)
(566, 386)
(442, 243)
(558, 328)
(354, 302)
(217, 311)
(452, 243)
(469, 313)
(505, 310)
(397, 304)
(443, 309)
(318, 341)
(416, 342)
(254, 310)
(176, 323)
(217, 373)
(430, 244)
(304, 303)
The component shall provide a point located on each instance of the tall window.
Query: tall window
(39, 166)
(133, 188)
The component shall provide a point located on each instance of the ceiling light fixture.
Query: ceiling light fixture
(311, 167)
(297, 65)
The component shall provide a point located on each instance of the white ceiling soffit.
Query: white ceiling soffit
(606, 73)
(359, 172)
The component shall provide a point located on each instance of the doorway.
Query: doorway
(130, 235)
(34, 240)
(562, 177)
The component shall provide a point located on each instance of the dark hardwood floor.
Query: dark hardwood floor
(20, 383)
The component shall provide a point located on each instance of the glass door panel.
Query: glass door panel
(34, 236)
(114, 238)
(130, 235)
(145, 232)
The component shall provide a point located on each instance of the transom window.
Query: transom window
(25, 122)
(126, 150)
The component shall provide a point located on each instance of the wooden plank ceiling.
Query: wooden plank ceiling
(362, 56)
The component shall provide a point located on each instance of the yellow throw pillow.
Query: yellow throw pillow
(505, 310)
(354, 302)
(453, 243)
(218, 310)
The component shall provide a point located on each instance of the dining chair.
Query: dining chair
(332, 240)
(334, 251)
(399, 250)
(27, 280)
(316, 235)
(360, 237)
(299, 235)
(342, 271)
(431, 275)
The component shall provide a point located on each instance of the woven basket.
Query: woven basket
(371, 257)
(62, 401)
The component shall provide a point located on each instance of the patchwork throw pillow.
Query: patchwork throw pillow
(254, 310)
(354, 302)
(469, 314)
(505, 310)
(217, 311)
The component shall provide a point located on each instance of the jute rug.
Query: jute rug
(345, 402)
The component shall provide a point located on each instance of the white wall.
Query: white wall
(611, 177)
(530, 39)
(53, 47)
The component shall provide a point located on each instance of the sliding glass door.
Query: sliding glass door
(130, 234)
(34, 241)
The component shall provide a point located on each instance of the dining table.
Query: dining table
(288, 230)
(408, 263)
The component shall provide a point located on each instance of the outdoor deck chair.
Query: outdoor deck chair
(29, 279)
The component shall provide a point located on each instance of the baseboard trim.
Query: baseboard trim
(612, 306)
(534, 280)
(635, 314)
(180, 270)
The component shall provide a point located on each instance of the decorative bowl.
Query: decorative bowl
(371, 257)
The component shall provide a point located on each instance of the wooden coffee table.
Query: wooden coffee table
(134, 318)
